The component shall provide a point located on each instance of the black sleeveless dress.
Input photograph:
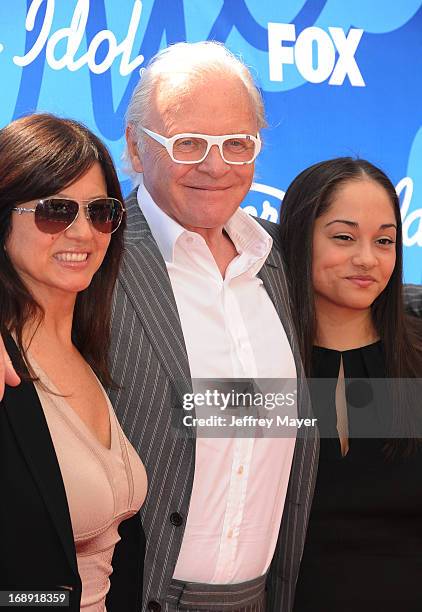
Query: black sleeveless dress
(363, 549)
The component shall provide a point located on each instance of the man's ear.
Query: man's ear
(132, 147)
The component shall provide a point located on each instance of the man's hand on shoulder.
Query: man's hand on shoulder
(8, 375)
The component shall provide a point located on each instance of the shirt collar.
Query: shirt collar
(247, 235)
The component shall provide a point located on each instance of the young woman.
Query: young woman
(69, 479)
(340, 230)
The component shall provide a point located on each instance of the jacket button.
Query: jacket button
(176, 519)
(154, 606)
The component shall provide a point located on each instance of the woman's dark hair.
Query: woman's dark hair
(308, 197)
(40, 155)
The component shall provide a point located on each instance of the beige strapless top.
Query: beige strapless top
(103, 487)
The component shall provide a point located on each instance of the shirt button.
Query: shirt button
(230, 533)
(154, 606)
(240, 469)
(189, 239)
(176, 519)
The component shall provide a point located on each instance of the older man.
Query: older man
(202, 295)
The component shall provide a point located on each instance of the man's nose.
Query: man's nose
(214, 164)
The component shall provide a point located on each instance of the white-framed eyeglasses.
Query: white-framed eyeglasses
(190, 148)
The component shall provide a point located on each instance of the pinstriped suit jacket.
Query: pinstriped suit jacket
(149, 361)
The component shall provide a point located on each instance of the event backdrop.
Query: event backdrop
(339, 77)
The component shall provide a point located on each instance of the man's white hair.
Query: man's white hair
(193, 62)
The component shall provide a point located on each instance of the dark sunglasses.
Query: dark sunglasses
(54, 215)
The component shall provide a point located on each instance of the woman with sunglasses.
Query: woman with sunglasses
(71, 484)
(340, 230)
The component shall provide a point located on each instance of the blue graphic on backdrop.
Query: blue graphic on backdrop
(338, 78)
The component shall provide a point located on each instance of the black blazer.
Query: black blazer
(37, 549)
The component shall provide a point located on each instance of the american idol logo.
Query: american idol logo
(314, 67)
(73, 37)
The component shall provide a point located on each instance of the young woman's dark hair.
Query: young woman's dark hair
(308, 197)
(40, 155)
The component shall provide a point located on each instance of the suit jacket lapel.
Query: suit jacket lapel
(147, 283)
(28, 422)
